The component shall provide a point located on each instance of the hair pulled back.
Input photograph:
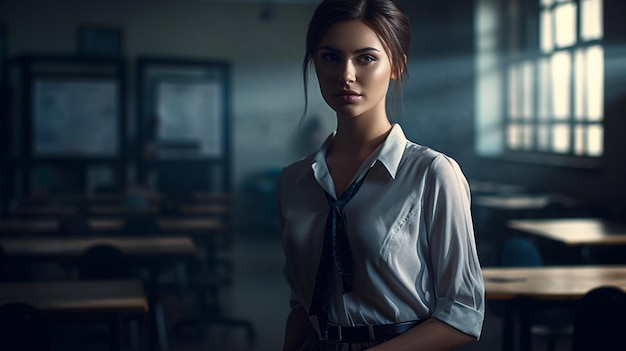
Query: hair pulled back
(385, 17)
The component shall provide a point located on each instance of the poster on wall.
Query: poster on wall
(76, 117)
(190, 118)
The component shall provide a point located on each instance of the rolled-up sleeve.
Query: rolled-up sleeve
(455, 267)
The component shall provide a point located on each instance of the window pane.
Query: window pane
(513, 139)
(528, 85)
(595, 82)
(565, 16)
(528, 137)
(546, 2)
(543, 137)
(561, 138)
(595, 140)
(561, 77)
(579, 81)
(579, 142)
(544, 95)
(547, 43)
(514, 91)
(591, 26)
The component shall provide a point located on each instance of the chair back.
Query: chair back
(103, 262)
(22, 328)
(600, 320)
(74, 225)
(141, 225)
(520, 252)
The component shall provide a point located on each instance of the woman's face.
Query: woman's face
(353, 69)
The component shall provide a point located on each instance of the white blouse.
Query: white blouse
(410, 232)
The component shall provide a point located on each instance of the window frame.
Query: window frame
(521, 43)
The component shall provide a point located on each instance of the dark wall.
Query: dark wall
(439, 94)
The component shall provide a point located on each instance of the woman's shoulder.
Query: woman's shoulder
(296, 169)
(432, 160)
(419, 153)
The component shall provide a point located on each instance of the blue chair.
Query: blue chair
(520, 252)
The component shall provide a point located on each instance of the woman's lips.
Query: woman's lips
(349, 96)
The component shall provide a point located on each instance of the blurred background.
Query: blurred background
(186, 110)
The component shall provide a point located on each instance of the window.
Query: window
(548, 73)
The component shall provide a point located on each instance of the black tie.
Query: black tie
(336, 249)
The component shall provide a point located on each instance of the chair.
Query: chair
(102, 262)
(599, 320)
(520, 251)
(74, 225)
(22, 328)
(142, 225)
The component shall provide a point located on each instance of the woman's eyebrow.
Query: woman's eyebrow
(358, 51)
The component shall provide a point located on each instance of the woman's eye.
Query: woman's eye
(329, 57)
(367, 58)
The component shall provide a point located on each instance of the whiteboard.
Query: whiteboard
(191, 112)
(76, 117)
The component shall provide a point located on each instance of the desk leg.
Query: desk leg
(525, 316)
(115, 333)
(157, 338)
(508, 326)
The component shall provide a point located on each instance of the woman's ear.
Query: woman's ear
(393, 74)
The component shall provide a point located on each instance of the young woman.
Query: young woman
(376, 229)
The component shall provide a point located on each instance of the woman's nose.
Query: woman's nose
(349, 72)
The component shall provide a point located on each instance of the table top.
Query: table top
(97, 296)
(512, 202)
(550, 283)
(159, 246)
(43, 211)
(43, 225)
(574, 231)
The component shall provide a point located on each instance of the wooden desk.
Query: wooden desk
(74, 297)
(550, 283)
(574, 231)
(207, 210)
(43, 211)
(55, 247)
(524, 288)
(121, 210)
(111, 225)
(153, 252)
(512, 202)
(109, 300)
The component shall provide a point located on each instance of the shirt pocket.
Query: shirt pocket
(397, 236)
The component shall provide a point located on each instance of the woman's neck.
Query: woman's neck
(354, 139)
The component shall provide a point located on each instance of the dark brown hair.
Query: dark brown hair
(385, 17)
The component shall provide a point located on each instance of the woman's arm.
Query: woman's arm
(298, 328)
(430, 335)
